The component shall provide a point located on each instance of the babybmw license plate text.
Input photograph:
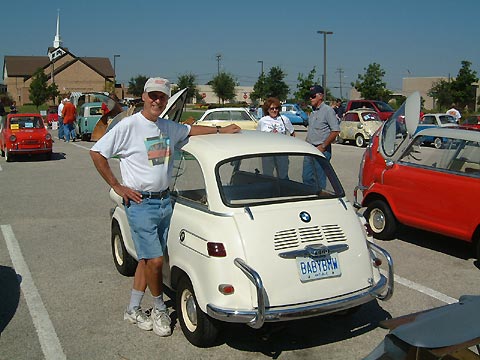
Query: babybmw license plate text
(318, 268)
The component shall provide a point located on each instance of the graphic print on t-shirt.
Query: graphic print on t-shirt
(158, 150)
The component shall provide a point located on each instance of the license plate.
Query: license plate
(318, 268)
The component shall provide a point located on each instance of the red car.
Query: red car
(472, 122)
(52, 114)
(401, 181)
(24, 134)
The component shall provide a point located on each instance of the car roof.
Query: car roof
(228, 109)
(23, 115)
(362, 110)
(247, 142)
(452, 132)
(437, 114)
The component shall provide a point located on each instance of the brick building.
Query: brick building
(69, 72)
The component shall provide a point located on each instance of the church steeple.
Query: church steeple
(56, 50)
(57, 41)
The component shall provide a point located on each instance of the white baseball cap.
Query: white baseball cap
(158, 84)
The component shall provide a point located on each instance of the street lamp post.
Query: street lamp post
(261, 62)
(114, 72)
(325, 33)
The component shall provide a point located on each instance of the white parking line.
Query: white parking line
(425, 290)
(80, 146)
(51, 347)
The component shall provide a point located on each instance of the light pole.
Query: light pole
(325, 33)
(114, 72)
(261, 62)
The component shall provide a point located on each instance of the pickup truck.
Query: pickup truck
(382, 108)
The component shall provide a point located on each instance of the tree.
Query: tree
(188, 80)
(259, 89)
(40, 92)
(370, 85)
(275, 85)
(223, 86)
(136, 85)
(304, 84)
(458, 91)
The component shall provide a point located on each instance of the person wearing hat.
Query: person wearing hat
(132, 140)
(323, 128)
(69, 114)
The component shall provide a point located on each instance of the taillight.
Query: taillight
(216, 249)
(376, 262)
(12, 138)
(48, 137)
(226, 289)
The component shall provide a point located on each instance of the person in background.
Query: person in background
(339, 109)
(69, 113)
(275, 123)
(323, 129)
(2, 109)
(455, 113)
(60, 133)
(146, 174)
(13, 108)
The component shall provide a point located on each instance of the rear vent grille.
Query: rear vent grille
(292, 238)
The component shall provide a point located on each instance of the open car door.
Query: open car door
(399, 129)
(173, 111)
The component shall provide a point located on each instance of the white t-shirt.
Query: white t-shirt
(455, 113)
(145, 149)
(275, 125)
(60, 108)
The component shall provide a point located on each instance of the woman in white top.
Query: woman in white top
(275, 123)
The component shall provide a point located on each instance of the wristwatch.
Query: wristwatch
(218, 129)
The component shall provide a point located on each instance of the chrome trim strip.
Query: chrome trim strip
(377, 249)
(314, 250)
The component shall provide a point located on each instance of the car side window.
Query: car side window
(239, 116)
(95, 111)
(427, 120)
(187, 178)
(458, 156)
(218, 115)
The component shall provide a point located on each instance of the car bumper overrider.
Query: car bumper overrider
(255, 318)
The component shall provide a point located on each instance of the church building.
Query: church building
(69, 72)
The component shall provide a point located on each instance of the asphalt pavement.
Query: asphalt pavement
(62, 298)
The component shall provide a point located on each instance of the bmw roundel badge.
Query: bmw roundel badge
(305, 216)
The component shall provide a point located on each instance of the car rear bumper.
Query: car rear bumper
(255, 318)
(30, 151)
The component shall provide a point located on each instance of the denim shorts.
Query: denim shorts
(149, 223)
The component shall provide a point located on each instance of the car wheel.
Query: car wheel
(359, 141)
(8, 156)
(124, 262)
(381, 220)
(437, 143)
(200, 329)
(340, 140)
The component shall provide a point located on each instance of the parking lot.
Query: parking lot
(55, 239)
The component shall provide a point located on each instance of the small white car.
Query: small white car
(359, 125)
(246, 245)
(227, 116)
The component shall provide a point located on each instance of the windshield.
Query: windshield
(268, 178)
(394, 132)
(26, 122)
(383, 107)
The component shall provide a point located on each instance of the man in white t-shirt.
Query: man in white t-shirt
(145, 143)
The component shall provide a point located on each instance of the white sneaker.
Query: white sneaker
(161, 322)
(137, 316)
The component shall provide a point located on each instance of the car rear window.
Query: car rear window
(24, 122)
(275, 178)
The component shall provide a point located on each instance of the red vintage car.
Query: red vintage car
(24, 134)
(402, 181)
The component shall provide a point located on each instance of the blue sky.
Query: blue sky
(169, 38)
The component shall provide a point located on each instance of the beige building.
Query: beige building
(242, 93)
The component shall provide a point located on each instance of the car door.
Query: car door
(427, 187)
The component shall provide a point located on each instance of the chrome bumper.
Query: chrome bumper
(255, 318)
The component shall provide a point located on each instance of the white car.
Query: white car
(227, 116)
(247, 246)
